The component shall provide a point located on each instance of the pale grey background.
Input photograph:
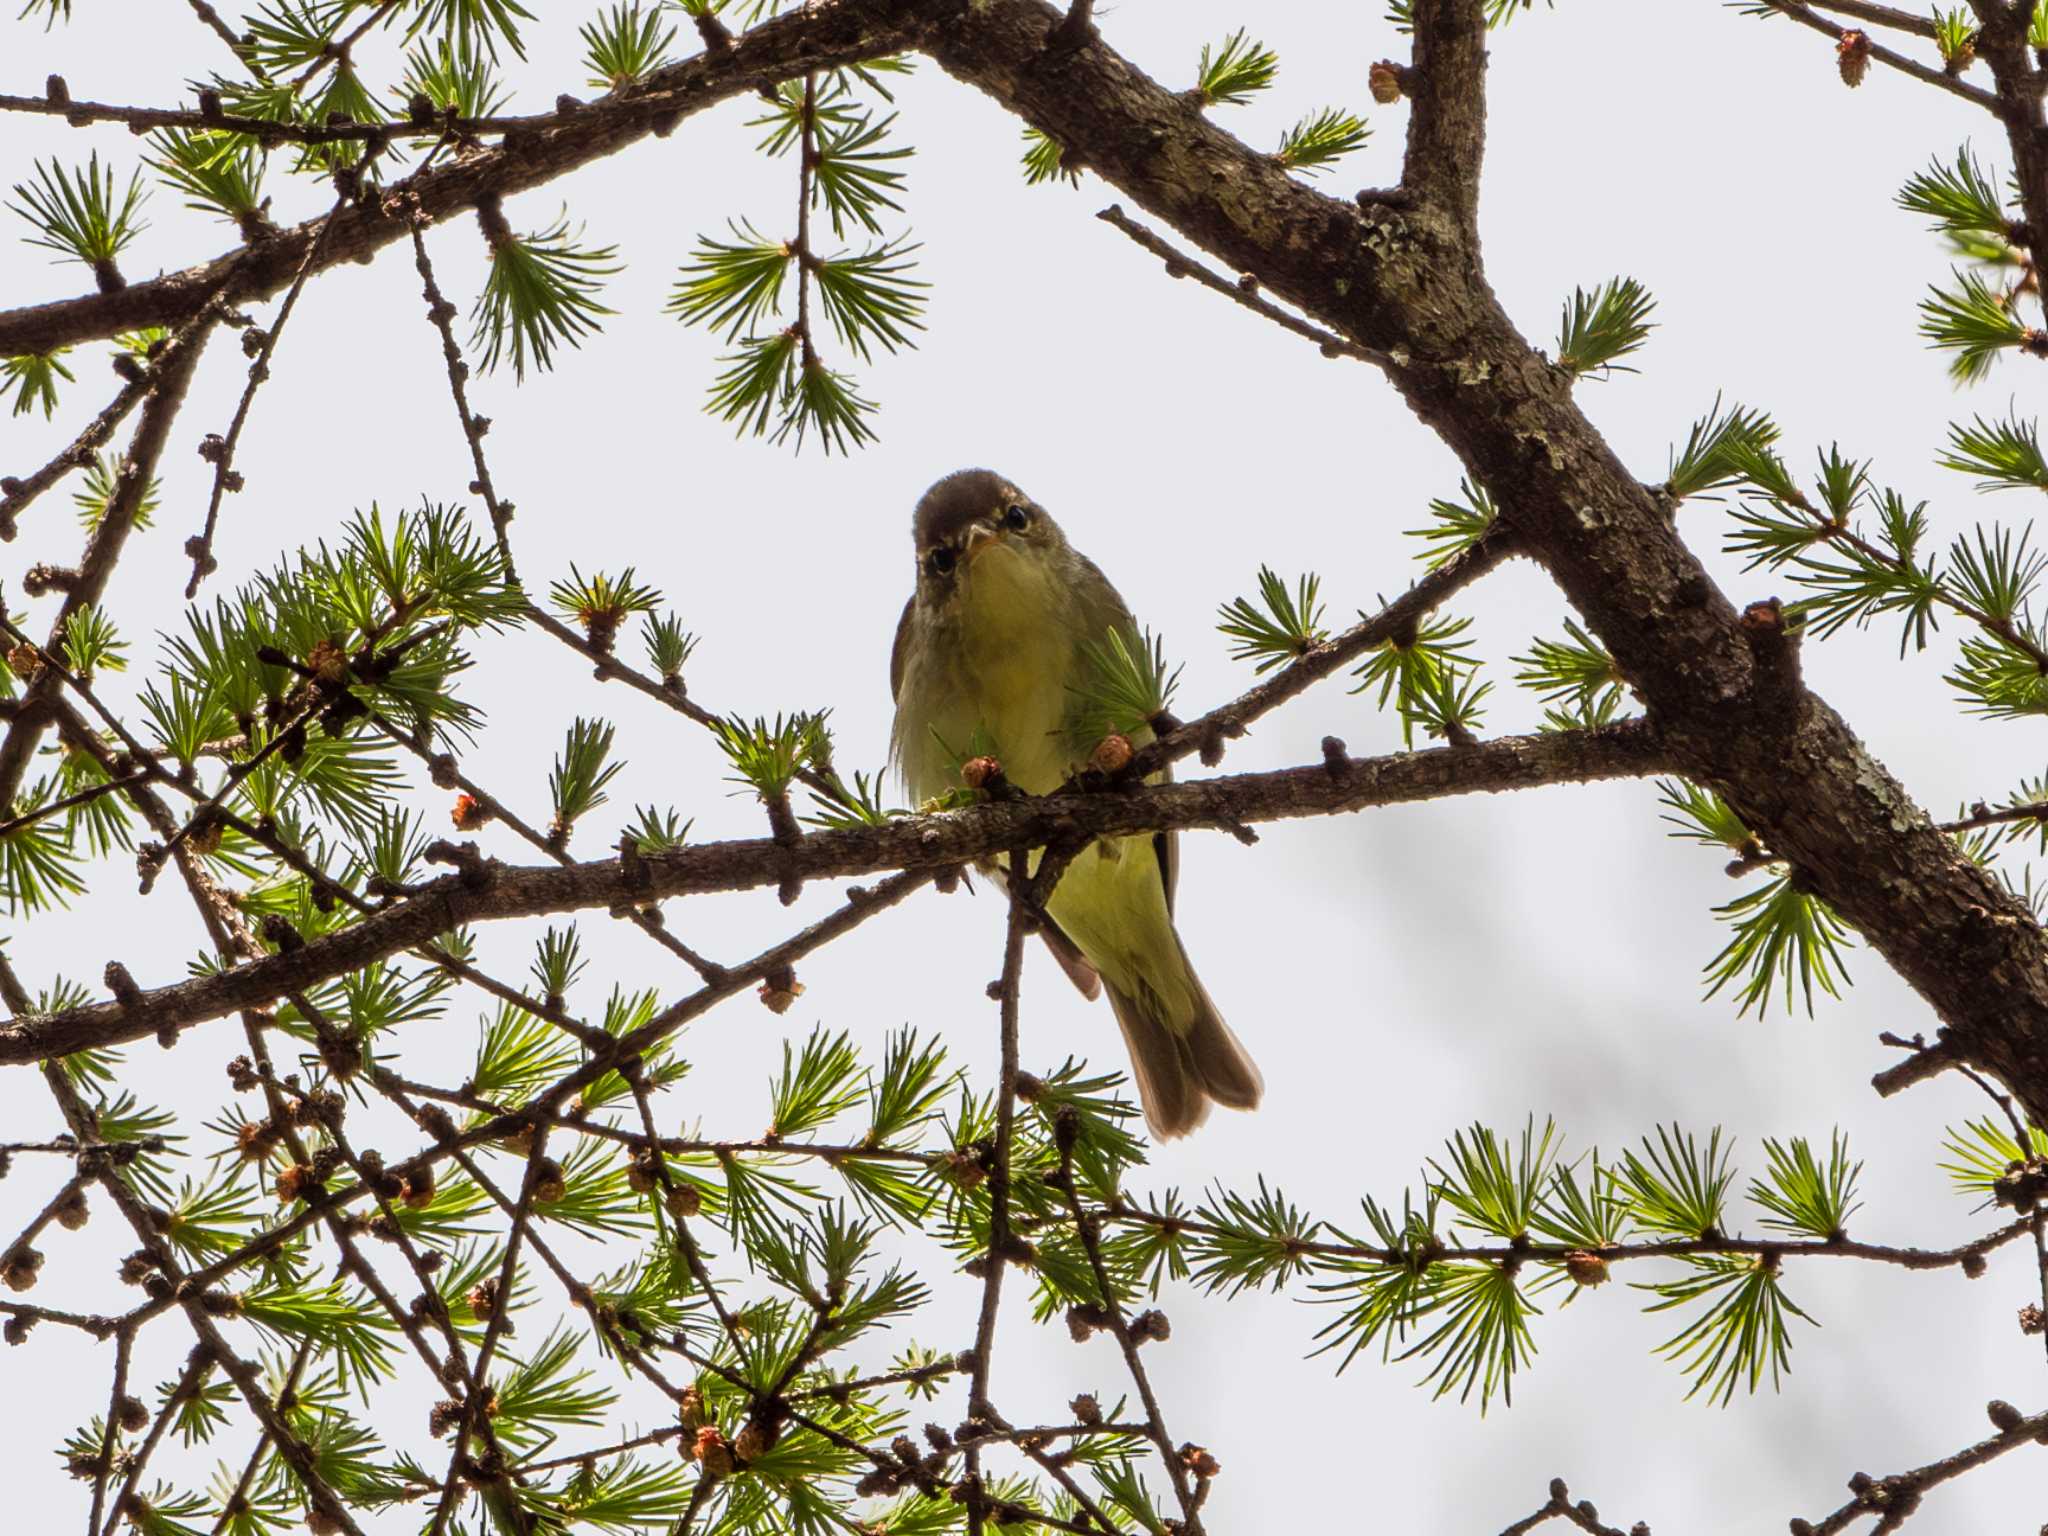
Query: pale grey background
(1396, 974)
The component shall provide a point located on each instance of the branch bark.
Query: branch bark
(497, 891)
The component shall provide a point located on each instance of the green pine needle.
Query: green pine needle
(1456, 525)
(542, 293)
(854, 175)
(1126, 687)
(1976, 324)
(1720, 450)
(1232, 74)
(32, 379)
(2006, 453)
(1321, 139)
(1282, 626)
(1955, 35)
(1985, 1151)
(78, 215)
(669, 646)
(581, 772)
(1783, 935)
(1601, 326)
(625, 44)
(1044, 160)
(1803, 1197)
(871, 297)
(824, 404)
(1961, 200)
(732, 286)
(1742, 1333)
(767, 756)
(1576, 669)
(1993, 574)
(219, 173)
(1429, 678)
(473, 23)
(451, 74)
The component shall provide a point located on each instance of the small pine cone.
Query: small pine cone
(293, 1182)
(2004, 1417)
(980, 772)
(131, 1415)
(690, 1412)
(1083, 1323)
(25, 662)
(779, 993)
(242, 1075)
(18, 1269)
(751, 1443)
(713, 1454)
(641, 1172)
(1198, 1461)
(1151, 1325)
(1852, 57)
(468, 813)
(483, 1298)
(416, 1188)
(1585, 1268)
(72, 1212)
(137, 1267)
(963, 1167)
(328, 662)
(15, 1329)
(1086, 1409)
(2032, 1319)
(255, 1140)
(1384, 81)
(1112, 754)
(549, 1183)
(685, 1201)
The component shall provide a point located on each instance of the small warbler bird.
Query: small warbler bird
(988, 657)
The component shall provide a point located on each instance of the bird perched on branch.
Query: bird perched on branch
(996, 646)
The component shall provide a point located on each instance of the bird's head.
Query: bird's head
(975, 531)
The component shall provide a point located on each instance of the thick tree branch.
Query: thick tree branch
(1407, 282)
(489, 891)
(823, 38)
(1447, 126)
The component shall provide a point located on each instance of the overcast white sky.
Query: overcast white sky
(1396, 974)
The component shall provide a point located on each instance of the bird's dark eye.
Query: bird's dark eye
(940, 560)
(1015, 517)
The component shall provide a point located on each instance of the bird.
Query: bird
(993, 644)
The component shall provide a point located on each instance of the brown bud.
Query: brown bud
(685, 1201)
(131, 1415)
(980, 772)
(1585, 1268)
(1198, 1461)
(1112, 754)
(1086, 1409)
(72, 1211)
(242, 1074)
(1852, 57)
(751, 1442)
(293, 1182)
(444, 1416)
(963, 1167)
(690, 1411)
(321, 1523)
(328, 662)
(468, 813)
(549, 1182)
(713, 1454)
(1384, 81)
(483, 1298)
(2003, 1415)
(1151, 1325)
(2032, 1319)
(25, 661)
(416, 1187)
(18, 1268)
(778, 993)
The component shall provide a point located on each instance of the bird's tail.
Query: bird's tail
(1182, 1065)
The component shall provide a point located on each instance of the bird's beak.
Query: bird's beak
(980, 539)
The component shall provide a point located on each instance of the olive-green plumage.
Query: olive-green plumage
(988, 656)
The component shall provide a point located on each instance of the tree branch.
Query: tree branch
(490, 891)
(829, 36)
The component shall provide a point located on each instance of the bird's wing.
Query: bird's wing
(1103, 609)
(896, 650)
